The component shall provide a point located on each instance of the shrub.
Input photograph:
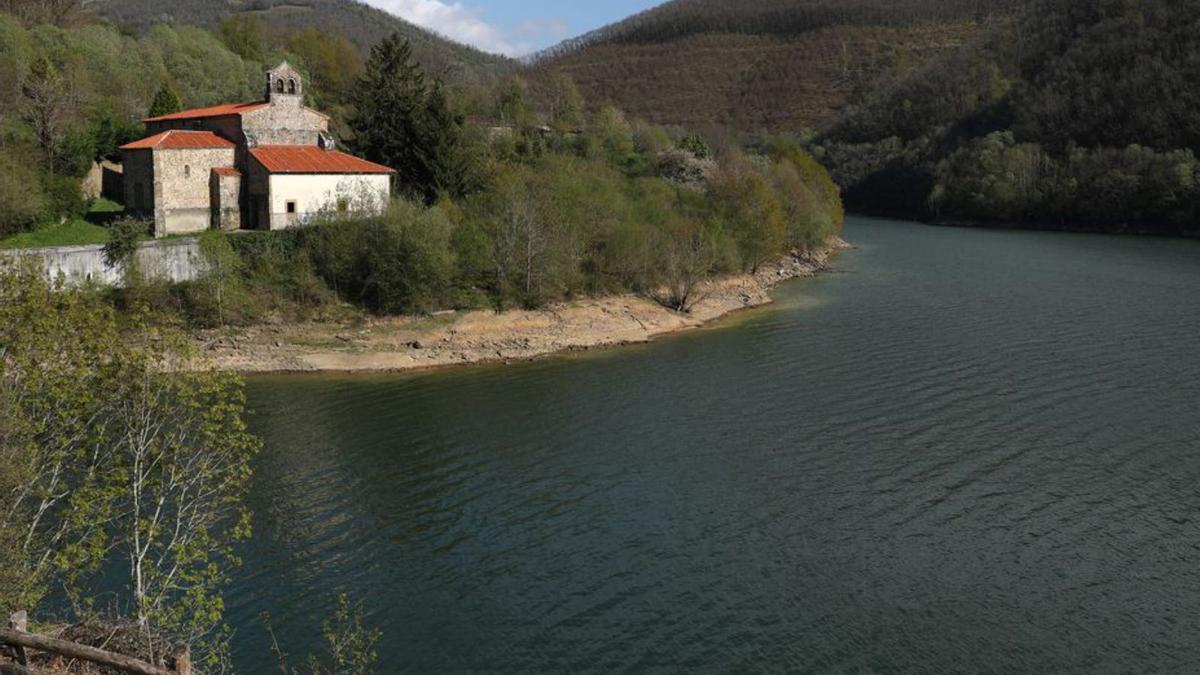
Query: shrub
(22, 204)
(64, 198)
(399, 262)
(695, 144)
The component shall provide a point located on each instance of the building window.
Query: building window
(187, 171)
(291, 86)
(279, 86)
(291, 207)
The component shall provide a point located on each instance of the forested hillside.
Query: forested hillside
(361, 24)
(1075, 115)
(776, 65)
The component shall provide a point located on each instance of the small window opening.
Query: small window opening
(279, 86)
(187, 171)
(291, 86)
(291, 207)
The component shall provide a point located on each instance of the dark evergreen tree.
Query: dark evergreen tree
(166, 101)
(448, 162)
(404, 122)
(389, 101)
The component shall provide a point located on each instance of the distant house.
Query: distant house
(270, 164)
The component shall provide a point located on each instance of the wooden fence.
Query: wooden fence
(20, 639)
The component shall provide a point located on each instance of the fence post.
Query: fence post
(183, 660)
(20, 621)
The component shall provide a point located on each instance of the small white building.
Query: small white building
(268, 164)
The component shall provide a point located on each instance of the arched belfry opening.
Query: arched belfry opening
(283, 80)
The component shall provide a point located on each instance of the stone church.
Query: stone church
(270, 164)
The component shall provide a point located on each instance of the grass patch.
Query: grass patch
(103, 205)
(71, 233)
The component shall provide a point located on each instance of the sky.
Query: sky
(512, 27)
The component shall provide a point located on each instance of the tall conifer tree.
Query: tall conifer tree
(166, 101)
(403, 121)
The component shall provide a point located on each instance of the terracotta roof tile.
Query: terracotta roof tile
(180, 140)
(214, 111)
(227, 171)
(311, 159)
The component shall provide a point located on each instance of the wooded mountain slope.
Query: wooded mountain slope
(777, 65)
(360, 24)
(1075, 115)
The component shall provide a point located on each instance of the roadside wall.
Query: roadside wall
(175, 260)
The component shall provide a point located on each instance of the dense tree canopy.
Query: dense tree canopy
(1074, 115)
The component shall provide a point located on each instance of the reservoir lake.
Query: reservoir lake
(959, 451)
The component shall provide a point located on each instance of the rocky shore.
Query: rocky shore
(480, 336)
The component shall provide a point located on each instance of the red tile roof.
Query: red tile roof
(226, 171)
(215, 111)
(180, 140)
(311, 159)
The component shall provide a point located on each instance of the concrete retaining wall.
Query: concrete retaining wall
(173, 259)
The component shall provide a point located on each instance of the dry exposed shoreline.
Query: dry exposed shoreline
(481, 336)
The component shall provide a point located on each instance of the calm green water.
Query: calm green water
(969, 451)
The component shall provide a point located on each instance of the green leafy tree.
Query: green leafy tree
(566, 102)
(243, 35)
(512, 103)
(55, 350)
(183, 457)
(751, 211)
(615, 134)
(398, 262)
(21, 194)
(333, 65)
(110, 130)
(350, 643)
(221, 282)
(166, 101)
(125, 235)
(124, 456)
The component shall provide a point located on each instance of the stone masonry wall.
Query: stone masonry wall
(285, 122)
(226, 201)
(182, 192)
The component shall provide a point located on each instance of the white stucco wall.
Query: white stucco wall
(315, 192)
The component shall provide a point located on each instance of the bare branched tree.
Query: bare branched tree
(49, 102)
(56, 12)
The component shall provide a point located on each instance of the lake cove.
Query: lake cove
(967, 450)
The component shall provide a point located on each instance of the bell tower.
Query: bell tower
(284, 85)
